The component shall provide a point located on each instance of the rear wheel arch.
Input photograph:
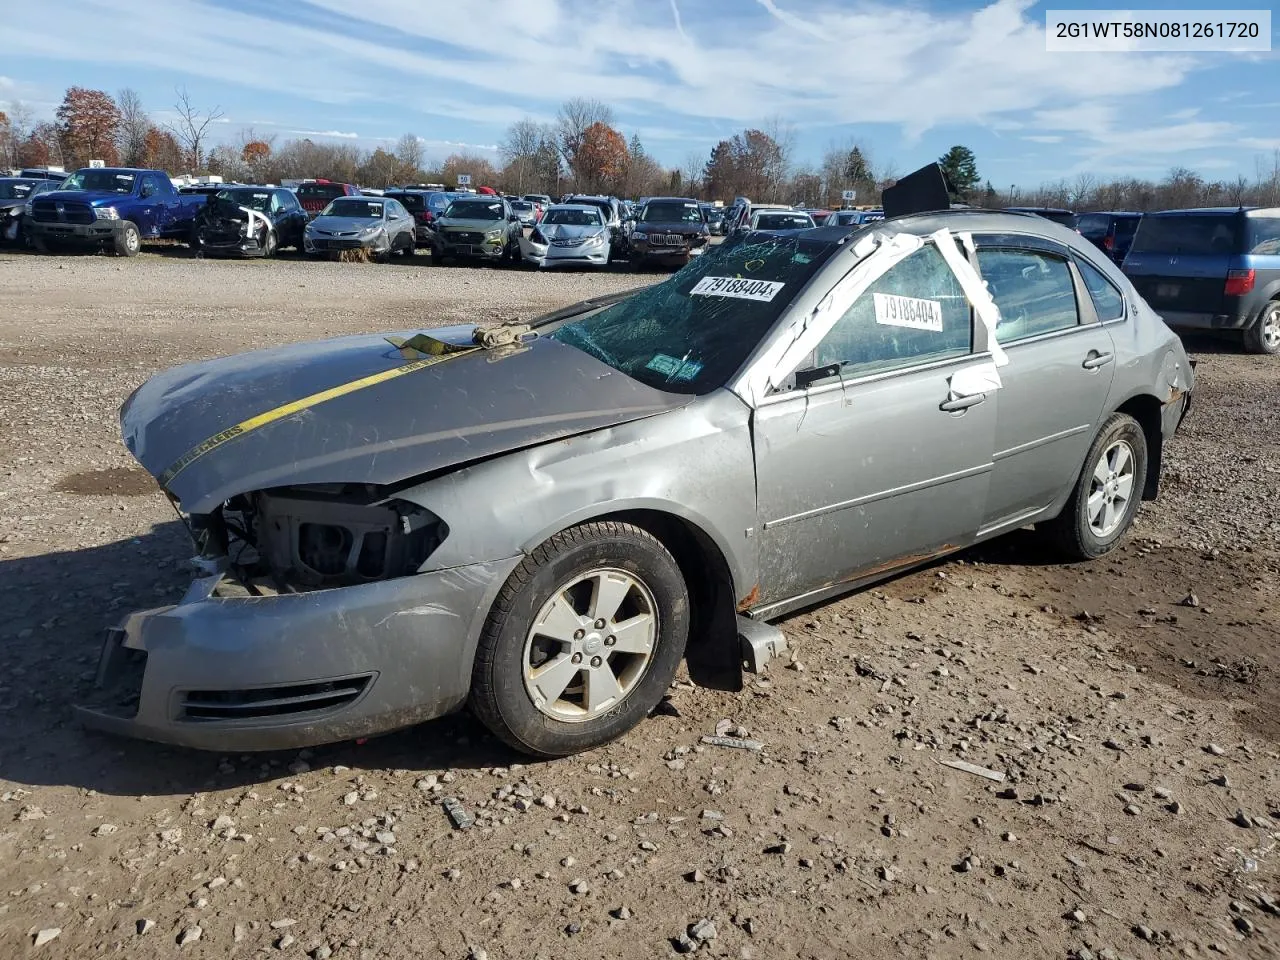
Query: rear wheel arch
(1146, 409)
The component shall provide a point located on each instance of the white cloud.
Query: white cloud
(327, 134)
(841, 63)
(1044, 138)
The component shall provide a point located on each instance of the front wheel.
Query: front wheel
(128, 241)
(582, 641)
(1264, 335)
(1106, 496)
(270, 244)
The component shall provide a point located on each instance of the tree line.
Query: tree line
(582, 150)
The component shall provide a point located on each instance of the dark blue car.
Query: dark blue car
(1111, 231)
(1215, 268)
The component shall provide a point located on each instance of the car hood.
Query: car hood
(457, 223)
(463, 407)
(10, 204)
(567, 231)
(97, 198)
(344, 224)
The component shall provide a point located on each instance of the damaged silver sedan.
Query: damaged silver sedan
(542, 521)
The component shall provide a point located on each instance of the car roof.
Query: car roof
(1111, 213)
(1039, 210)
(588, 207)
(1217, 211)
(671, 200)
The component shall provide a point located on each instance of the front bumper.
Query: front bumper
(243, 247)
(100, 231)
(339, 244)
(279, 672)
(553, 256)
(443, 247)
(643, 252)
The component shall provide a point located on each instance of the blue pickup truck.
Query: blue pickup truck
(112, 206)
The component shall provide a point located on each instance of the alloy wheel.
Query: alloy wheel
(590, 645)
(1111, 489)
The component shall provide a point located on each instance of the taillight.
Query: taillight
(424, 217)
(1239, 282)
(1108, 243)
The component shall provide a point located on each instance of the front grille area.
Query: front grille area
(464, 236)
(301, 699)
(568, 242)
(338, 244)
(46, 211)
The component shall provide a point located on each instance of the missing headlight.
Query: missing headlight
(308, 538)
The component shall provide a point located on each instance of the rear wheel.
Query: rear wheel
(1264, 335)
(128, 241)
(1106, 496)
(582, 641)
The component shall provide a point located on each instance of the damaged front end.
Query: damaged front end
(328, 606)
(308, 622)
(225, 228)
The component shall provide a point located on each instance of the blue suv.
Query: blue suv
(1215, 268)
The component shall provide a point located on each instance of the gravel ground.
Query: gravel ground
(1133, 705)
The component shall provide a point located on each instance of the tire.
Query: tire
(127, 241)
(271, 245)
(574, 564)
(1079, 532)
(410, 249)
(1263, 336)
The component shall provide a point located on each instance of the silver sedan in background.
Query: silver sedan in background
(380, 225)
(569, 234)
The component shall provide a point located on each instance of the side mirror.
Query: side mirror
(513, 217)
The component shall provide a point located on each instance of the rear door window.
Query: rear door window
(915, 313)
(1192, 234)
(1034, 291)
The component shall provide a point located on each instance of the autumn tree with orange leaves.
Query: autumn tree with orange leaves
(88, 122)
(601, 158)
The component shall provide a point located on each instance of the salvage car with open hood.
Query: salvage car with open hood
(543, 520)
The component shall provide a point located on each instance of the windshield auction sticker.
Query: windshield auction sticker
(895, 311)
(737, 287)
(1130, 31)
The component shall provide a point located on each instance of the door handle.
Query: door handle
(1095, 360)
(962, 403)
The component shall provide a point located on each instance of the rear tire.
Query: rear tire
(1263, 336)
(614, 669)
(127, 241)
(1107, 493)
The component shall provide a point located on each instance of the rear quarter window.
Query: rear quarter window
(1264, 236)
(1193, 234)
(1093, 225)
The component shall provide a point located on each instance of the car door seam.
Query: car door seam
(881, 495)
(1041, 441)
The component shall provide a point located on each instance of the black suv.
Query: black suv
(1111, 231)
(1214, 268)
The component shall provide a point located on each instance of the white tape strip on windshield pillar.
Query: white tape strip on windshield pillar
(974, 289)
(875, 254)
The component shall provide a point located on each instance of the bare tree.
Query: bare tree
(134, 124)
(20, 125)
(692, 172)
(1083, 190)
(783, 133)
(409, 151)
(519, 151)
(192, 126)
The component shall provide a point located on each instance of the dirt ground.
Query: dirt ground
(1134, 704)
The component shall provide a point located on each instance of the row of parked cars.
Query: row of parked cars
(1202, 269)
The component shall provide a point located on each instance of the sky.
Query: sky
(904, 79)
